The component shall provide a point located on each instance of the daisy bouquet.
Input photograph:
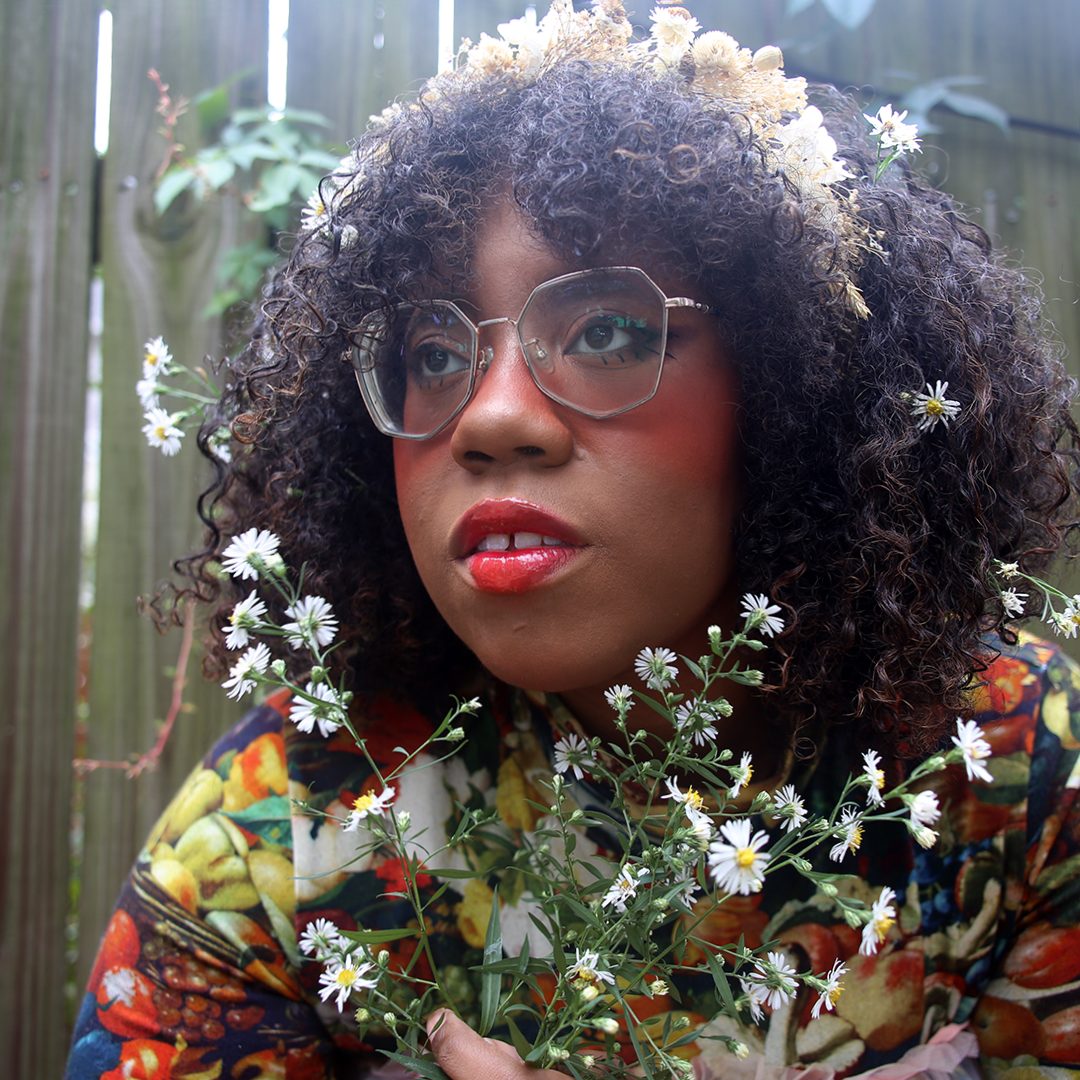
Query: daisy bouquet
(613, 931)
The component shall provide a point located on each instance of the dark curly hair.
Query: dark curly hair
(876, 537)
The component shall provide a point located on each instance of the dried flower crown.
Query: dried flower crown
(712, 64)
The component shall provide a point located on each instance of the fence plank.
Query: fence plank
(158, 275)
(46, 205)
(348, 61)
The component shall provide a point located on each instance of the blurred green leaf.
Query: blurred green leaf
(177, 178)
(849, 13)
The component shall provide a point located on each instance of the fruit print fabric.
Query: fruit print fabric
(199, 974)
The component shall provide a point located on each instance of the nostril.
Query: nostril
(530, 451)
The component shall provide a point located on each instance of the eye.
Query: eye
(614, 339)
(431, 363)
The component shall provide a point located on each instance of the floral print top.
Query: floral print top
(199, 975)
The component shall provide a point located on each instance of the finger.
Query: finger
(464, 1055)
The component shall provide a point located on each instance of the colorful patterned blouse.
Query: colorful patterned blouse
(199, 975)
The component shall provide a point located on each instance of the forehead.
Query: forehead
(510, 259)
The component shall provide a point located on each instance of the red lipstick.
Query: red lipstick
(511, 546)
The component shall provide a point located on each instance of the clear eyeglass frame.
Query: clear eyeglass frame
(369, 341)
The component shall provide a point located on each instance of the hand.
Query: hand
(464, 1055)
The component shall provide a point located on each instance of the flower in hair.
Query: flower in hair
(934, 407)
(891, 132)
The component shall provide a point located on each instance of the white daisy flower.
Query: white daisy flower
(247, 551)
(147, 390)
(925, 837)
(741, 774)
(690, 798)
(656, 667)
(975, 749)
(245, 617)
(572, 752)
(738, 866)
(673, 32)
(369, 805)
(849, 831)
(773, 988)
(889, 129)
(345, 977)
(1067, 622)
(882, 919)
(327, 712)
(1013, 601)
(321, 938)
(620, 698)
(828, 997)
(161, 431)
(586, 968)
(696, 718)
(156, 357)
(761, 615)
(874, 777)
(315, 214)
(924, 808)
(239, 681)
(315, 622)
(623, 889)
(790, 807)
(934, 407)
(1007, 569)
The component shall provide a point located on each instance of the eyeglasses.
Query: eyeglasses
(593, 340)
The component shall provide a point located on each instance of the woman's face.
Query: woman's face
(637, 509)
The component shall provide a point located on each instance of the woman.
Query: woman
(839, 398)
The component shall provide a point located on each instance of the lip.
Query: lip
(515, 570)
(508, 516)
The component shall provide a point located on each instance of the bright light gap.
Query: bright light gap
(103, 87)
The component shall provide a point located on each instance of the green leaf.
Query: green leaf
(849, 13)
(278, 184)
(720, 979)
(378, 937)
(176, 179)
(521, 1044)
(448, 872)
(491, 981)
(426, 1067)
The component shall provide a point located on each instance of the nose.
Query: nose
(509, 418)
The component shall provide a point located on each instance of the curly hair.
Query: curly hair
(876, 537)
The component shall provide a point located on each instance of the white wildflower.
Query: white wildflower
(249, 551)
(345, 977)
(366, 806)
(623, 889)
(889, 129)
(738, 866)
(240, 681)
(1013, 601)
(761, 615)
(572, 752)
(245, 617)
(773, 987)
(656, 667)
(315, 622)
(807, 143)
(161, 431)
(925, 837)
(620, 698)
(316, 214)
(934, 407)
(321, 938)
(586, 968)
(790, 807)
(741, 774)
(696, 718)
(882, 919)
(924, 808)
(147, 390)
(691, 799)
(849, 831)
(874, 777)
(327, 712)
(156, 357)
(975, 749)
(830, 993)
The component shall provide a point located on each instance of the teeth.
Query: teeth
(517, 541)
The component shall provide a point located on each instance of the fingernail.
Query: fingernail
(435, 1022)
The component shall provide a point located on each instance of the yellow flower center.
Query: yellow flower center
(159, 431)
(856, 838)
(745, 857)
(694, 800)
(364, 803)
(346, 976)
(882, 925)
(935, 408)
(833, 994)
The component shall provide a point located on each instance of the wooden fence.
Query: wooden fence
(347, 58)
